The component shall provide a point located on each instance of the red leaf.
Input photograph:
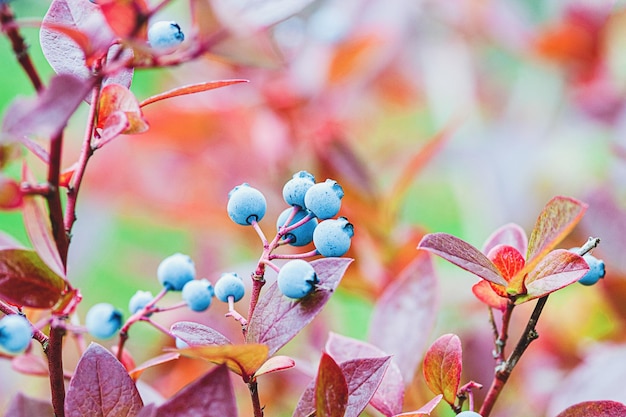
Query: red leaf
(30, 364)
(124, 16)
(101, 386)
(486, 294)
(190, 89)
(25, 280)
(157, 360)
(244, 360)
(507, 259)
(595, 409)
(196, 334)
(275, 364)
(463, 255)
(117, 98)
(407, 308)
(277, 319)
(66, 176)
(23, 406)
(443, 365)
(210, 396)
(331, 389)
(510, 234)
(425, 410)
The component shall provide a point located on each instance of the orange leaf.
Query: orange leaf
(443, 365)
(243, 360)
(126, 17)
(190, 89)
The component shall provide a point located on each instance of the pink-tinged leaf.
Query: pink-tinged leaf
(149, 410)
(101, 387)
(196, 334)
(36, 149)
(116, 99)
(275, 364)
(595, 409)
(389, 396)
(485, 293)
(204, 20)
(463, 255)
(210, 396)
(125, 16)
(507, 259)
(443, 363)
(510, 234)
(9, 242)
(23, 406)
(47, 114)
(157, 360)
(278, 319)
(425, 410)
(407, 308)
(244, 360)
(558, 269)
(190, 89)
(30, 364)
(253, 15)
(331, 389)
(25, 280)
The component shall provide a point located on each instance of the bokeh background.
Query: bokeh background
(434, 116)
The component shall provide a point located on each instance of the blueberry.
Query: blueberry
(596, 270)
(15, 333)
(246, 204)
(468, 414)
(295, 189)
(139, 300)
(165, 36)
(229, 284)
(198, 294)
(296, 279)
(302, 235)
(324, 199)
(333, 237)
(181, 344)
(103, 320)
(175, 271)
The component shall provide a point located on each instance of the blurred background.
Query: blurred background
(452, 117)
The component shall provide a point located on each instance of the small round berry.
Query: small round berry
(165, 36)
(324, 199)
(103, 320)
(198, 294)
(175, 271)
(15, 333)
(301, 235)
(296, 279)
(295, 189)
(246, 204)
(468, 414)
(181, 344)
(333, 237)
(596, 270)
(229, 285)
(139, 300)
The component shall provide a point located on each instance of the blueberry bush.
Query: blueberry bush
(278, 201)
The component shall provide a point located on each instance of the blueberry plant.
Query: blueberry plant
(94, 48)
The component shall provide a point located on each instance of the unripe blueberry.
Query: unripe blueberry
(139, 300)
(165, 36)
(333, 237)
(296, 279)
(175, 271)
(324, 199)
(229, 284)
(198, 294)
(246, 204)
(302, 235)
(15, 333)
(468, 414)
(596, 270)
(295, 189)
(103, 320)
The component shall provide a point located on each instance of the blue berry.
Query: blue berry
(296, 279)
(333, 237)
(324, 199)
(175, 271)
(295, 189)
(596, 270)
(246, 204)
(198, 294)
(15, 333)
(302, 235)
(468, 414)
(181, 344)
(165, 36)
(139, 300)
(103, 320)
(229, 285)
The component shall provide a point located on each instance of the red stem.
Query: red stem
(54, 352)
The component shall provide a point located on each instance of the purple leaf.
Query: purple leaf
(23, 406)
(389, 396)
(25, 280)
(46, 115)
(277, 319)
(101, 387)
(595, 409)
(210, 396)
(30, 364)
(443, 365)
(463, 255)
(425, 410)
(196, 334)
(511, 235)
(405, 314)
(331, 389)
(149, 410)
